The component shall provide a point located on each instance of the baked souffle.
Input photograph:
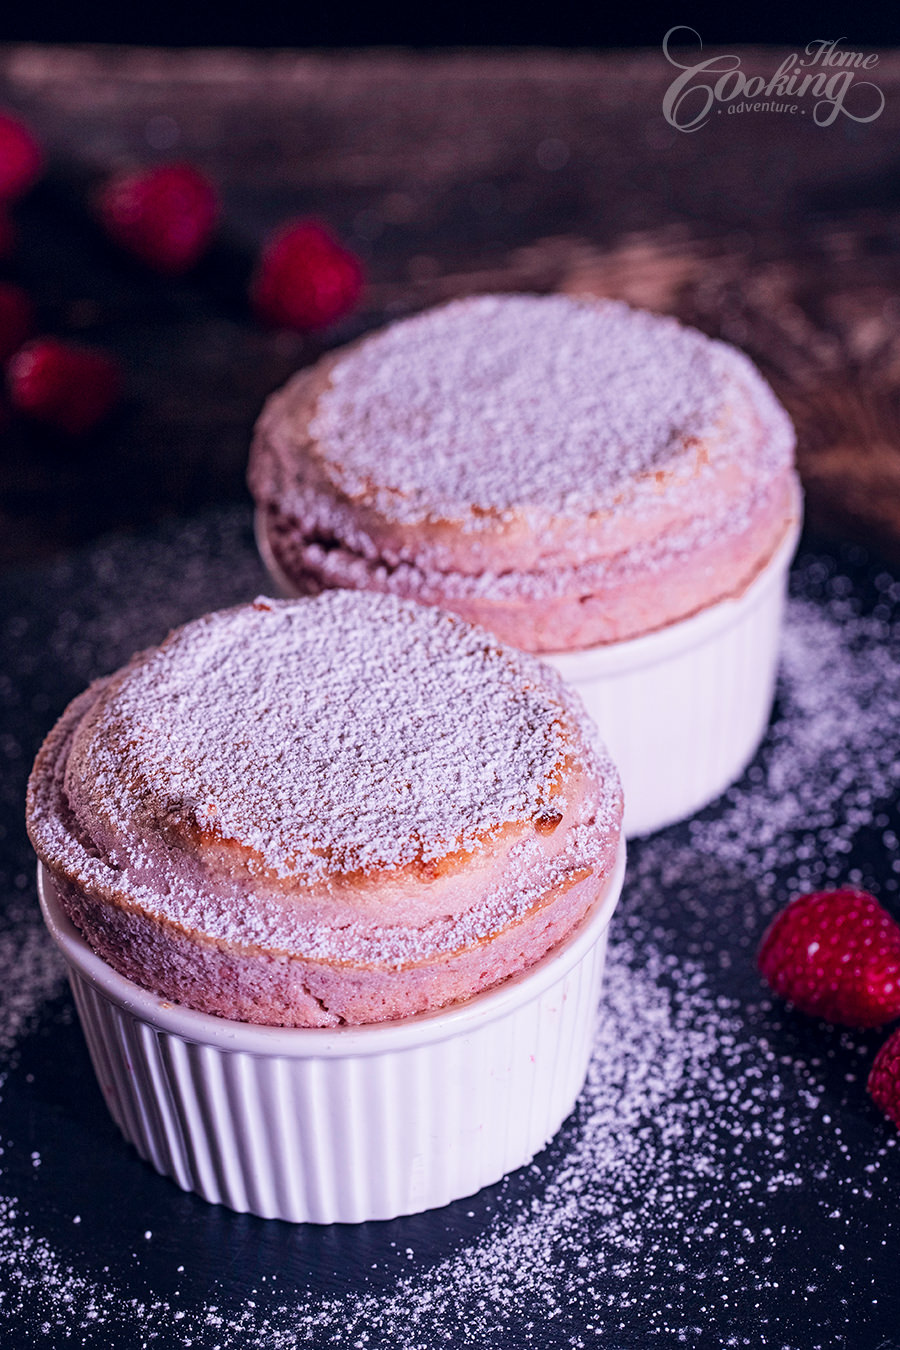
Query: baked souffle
(566, 472)
(333, 810)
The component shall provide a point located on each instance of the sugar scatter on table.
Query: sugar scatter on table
(723, 1170)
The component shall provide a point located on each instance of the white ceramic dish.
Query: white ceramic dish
(343, 1125)
(682, 710)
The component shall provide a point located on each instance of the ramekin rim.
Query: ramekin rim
(328, 1042)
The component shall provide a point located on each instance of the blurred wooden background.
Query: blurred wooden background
(448, 173)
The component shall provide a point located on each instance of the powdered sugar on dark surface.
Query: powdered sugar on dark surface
(724, 1180)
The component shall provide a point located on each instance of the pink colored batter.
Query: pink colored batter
(337, 810)
(565, 472)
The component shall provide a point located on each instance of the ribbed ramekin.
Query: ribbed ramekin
(682, 710)
(347, 1124)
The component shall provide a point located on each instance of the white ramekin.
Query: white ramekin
(347, 1124)
(682, 710)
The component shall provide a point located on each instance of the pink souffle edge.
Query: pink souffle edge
(223, 928)
(610, 560)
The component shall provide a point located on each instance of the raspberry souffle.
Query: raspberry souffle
(331, 811)
(583, 478)
(565, 472)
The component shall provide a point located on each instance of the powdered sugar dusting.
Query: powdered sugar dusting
(723, 1181)
(347, 732)
(516, 401)
(534, 463)
(351, 733)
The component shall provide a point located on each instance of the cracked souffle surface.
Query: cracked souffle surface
(567, 472)
(342, 809)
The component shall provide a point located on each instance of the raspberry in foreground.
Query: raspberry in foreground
(305, 279)
(884, 1078)
(835, 955)
(66, 387)
(164, 216)
(21, 160)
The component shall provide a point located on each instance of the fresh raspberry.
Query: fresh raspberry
(69, 388)
(836, 955)
(163, 216)
(884, 1079)
(20, 158)
(16, 319)
(305, 279)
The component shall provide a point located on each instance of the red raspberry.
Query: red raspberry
(16, 319)
(164, 216)
(305, 279)
(836, 955)
(884, 1079)
(20, 158)
(69, 388)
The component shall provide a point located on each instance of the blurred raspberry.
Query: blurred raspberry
(21, 160)
(305, 279)
(164, 216)
(66, 387)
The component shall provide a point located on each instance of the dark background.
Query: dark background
(772, 232)
(170, 23)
